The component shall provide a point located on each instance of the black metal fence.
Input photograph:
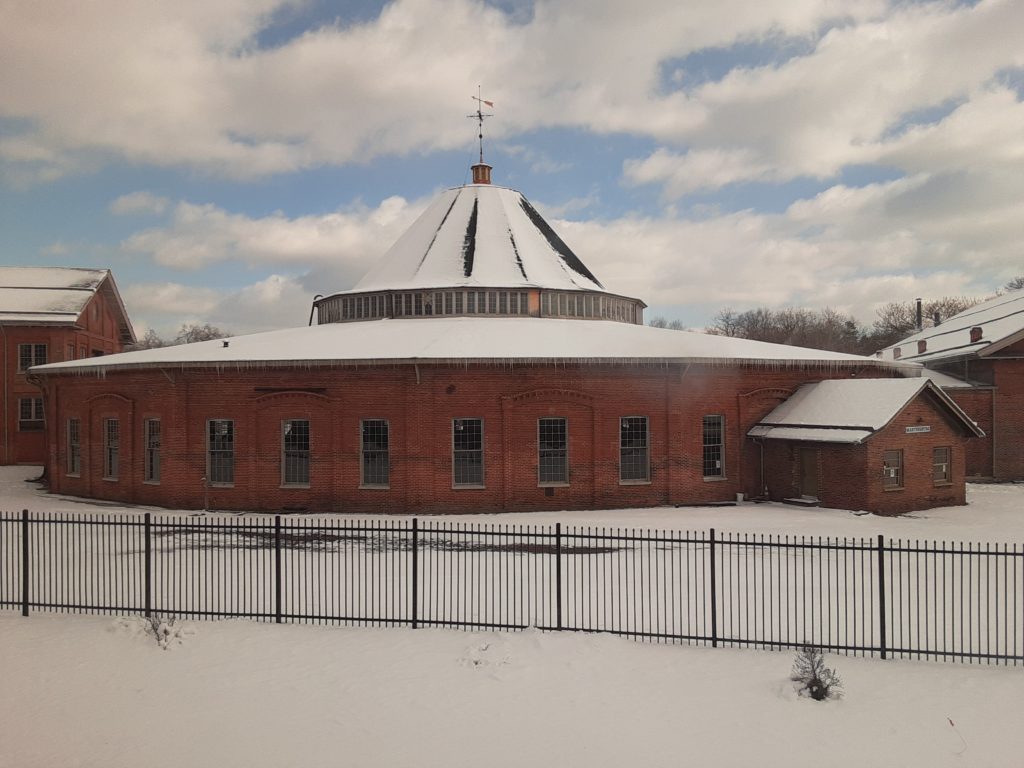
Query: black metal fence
(897, 599)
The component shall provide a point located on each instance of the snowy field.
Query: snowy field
(99, 691)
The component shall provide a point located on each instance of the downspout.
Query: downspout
(35, 381)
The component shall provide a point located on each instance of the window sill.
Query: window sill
(635, 482)
(373, 487)
(75, 475)
(715, 478)
(299, 486)
(151, 482)
(220, 485)
(553, 485)
(943, 484)
(467, 487)
(111, 479)
(892, 490)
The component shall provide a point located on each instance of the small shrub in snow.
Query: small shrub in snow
(814, 678)
(166, 630)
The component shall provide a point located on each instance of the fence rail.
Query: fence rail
(895, 599)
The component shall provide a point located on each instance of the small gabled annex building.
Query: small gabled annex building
(49, 314)
(828, 441)
(480, 367)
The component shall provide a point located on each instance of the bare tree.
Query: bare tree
(820, 329)
(898, 319)
(1015, 285)
(193, 332)
(661, 322)
(151, 340)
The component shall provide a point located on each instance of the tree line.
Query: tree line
(187, 334)
(833, 330)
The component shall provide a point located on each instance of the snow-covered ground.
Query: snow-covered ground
(99, 691)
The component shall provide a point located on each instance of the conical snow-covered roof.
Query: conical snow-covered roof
(483, 236)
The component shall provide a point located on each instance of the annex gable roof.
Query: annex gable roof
(479, 235)
(1001, 321)
(57, 296)
(850, 410)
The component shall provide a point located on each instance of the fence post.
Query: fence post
(149, 565)
(24, 562)
(881, 594)
(415, 572)
(714, 594)
(277, 568)
(558, 575)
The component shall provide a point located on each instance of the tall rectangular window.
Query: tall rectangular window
(30, 414)
(892, 469)
(940, 466)
(552, 451)
(69, 353)
(295, 452)
(111, 449)
(151, 450)
(74, 437)
(29, 355)
(468, 452)
(634, 460)
(714, 445)
(220, 452)
(374, 445)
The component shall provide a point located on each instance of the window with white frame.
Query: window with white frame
(151, 450)
(714, 445)
(634, 458)
(31, 417)
(111, 449)
(552, 451)
(468, 452)
(29, 355)
(941, 474)
(220, 452)
(74, 455)
(295, 452)
(892, 469)
(374, 446)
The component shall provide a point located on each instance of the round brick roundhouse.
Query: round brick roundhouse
(482, 367)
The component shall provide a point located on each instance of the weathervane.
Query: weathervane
(479, 117)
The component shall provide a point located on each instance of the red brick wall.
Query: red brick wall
(1008, 419)
(977, 403)
(419, 407)
(918, 491)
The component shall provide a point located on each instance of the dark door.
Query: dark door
(809, 473)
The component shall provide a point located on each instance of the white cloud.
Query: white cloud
(139, 202)
(347, 240)
(277, 301)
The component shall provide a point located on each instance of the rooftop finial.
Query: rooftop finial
(481, 171)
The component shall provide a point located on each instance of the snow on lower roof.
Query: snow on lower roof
(844, 405)
(479, 236)
(812, 434)
(462, 340)
(1000, 319)
(858, 404)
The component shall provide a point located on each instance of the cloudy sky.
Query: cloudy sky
(229, 159)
